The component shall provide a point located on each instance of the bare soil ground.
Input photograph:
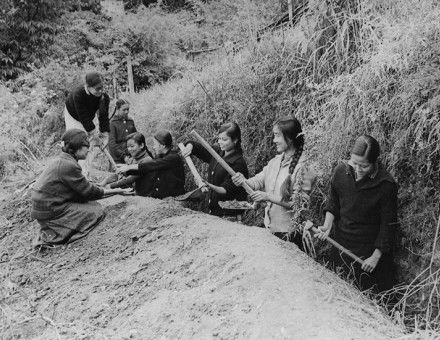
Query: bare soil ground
(154, 270)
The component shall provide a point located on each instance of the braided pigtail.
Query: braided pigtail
(287, 184)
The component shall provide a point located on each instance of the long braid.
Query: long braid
(286, 186)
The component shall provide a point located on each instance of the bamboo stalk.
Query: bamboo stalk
(220, 160)
(192, 167)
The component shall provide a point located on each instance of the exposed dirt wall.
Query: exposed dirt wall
(154, 270)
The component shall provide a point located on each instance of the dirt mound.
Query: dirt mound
(155, 270)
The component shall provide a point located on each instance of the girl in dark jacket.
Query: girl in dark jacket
(362, 205)
(120, 127)
(165, 170)
(219, 181)
(139, 154)
(61, 195)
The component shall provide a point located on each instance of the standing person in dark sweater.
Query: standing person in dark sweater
(82, 103)
(219, 181)
(166, 169)
(362, 205)
(120, 127)
(61, 195)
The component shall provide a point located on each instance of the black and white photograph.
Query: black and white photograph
(219, 169)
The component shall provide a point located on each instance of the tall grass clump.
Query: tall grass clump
(348, 68)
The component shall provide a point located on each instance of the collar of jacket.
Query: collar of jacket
(141, 155)
(379, 175)
(68, 156)
(120, 118)
(168, 152)
(232, 157)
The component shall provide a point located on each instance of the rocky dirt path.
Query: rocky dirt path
(153, 270)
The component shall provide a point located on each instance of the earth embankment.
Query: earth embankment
(153, 269)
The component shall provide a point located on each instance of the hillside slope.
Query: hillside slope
(153, 270)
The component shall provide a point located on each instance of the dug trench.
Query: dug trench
(155, 270)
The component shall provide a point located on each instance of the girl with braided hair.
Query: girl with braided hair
(121, 125)
(282, 181)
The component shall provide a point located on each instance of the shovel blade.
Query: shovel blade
(192, 195)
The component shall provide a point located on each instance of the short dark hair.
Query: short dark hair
(138, 137)
(73, 140)
(233, 131)
(93, 79)
(368, 147)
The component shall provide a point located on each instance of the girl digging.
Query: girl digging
(283, 181)
(219, 182)
(362, 205)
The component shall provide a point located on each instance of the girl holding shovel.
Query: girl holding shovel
(219, 181)
(362, 205)
(283, 182)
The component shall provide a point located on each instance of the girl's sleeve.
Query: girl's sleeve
(72, 177)
(200, 152)
(388, 218)
(257, 182)
(127, 181)
(112, 143)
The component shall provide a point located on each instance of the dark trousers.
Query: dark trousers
(381, 279)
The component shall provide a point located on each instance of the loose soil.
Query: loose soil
(155, 270)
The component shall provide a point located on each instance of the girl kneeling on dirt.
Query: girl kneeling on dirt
(284, 181)
(138, 154)
(219, 181)
(165, 171)
(120, 127)
(61, 195)
(362, 204)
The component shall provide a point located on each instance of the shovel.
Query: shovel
(196, 193)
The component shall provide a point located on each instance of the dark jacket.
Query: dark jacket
(365, 211)
(60, 183)
(142, 184)
(220, 177)
(82, 107)
(166, 173)
(119, 130)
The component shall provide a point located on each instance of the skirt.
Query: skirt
(75, 222)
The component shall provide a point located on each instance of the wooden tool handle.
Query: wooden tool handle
(192, 168)
(220, 160)
(341, 248)
(110, 158)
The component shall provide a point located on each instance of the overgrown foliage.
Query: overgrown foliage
(346, 69)
(27, 30)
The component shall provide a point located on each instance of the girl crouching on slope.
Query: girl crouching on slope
(61, 195)
(139, 154)
(284, 181)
